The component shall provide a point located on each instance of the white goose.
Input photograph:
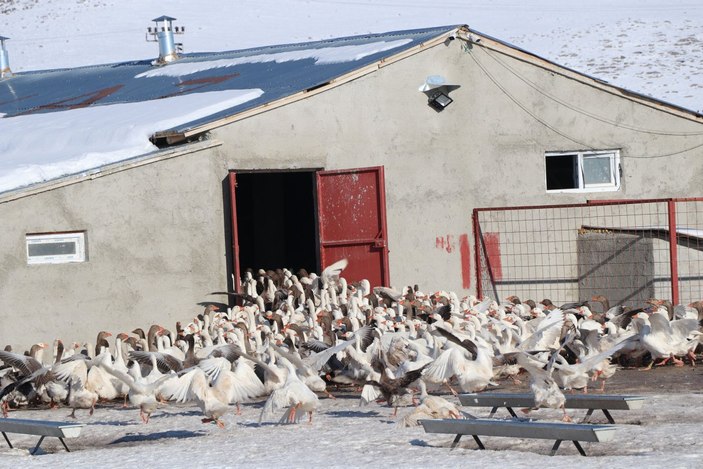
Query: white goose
(141, 393)
(666, 340)
(470, 363)
(545, 390)
(295, 395)
(211, 396)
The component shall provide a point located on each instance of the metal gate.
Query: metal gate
(627, 251)
(352, 222)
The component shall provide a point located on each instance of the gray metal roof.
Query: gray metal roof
(59, 90)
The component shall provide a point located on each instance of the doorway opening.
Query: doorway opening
(276, 221)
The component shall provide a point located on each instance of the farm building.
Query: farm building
(376, 148)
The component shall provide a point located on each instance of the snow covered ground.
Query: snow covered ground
(665, 433)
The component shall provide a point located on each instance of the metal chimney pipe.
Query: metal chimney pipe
(164, 34)
(4, 59)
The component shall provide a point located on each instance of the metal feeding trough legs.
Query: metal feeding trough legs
(592, 402)
(521, 429)
(42, 428)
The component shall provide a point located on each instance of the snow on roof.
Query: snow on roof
(55, 123)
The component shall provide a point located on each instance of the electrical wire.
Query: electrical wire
(523, 107)
(543, 92)
(469, 50)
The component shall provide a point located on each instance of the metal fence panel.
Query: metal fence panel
(621, 250)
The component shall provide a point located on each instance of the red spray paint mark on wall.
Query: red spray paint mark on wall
(465, 261)
(491, 241)
(439, 242)
(445, 242)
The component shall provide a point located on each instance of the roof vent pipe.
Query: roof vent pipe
(4, 59)
(163, 33)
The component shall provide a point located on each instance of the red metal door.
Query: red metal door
(352, 222)
(235, 232)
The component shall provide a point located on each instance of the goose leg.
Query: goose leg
(566, 417)
(291, 414)
(451, 389)
(648, 367)
(664, 361)
(692, 357)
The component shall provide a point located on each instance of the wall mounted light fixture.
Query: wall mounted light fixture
(437, 91)
(439, 100)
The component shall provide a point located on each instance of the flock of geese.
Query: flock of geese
(294, 337)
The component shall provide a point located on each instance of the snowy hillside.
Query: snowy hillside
(650, 46)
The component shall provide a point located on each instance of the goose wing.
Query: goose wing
(190, 382)
(332, 272)
(25, 364)
(547, 332)
(318, 360)
(467, 344)
(594, 360)
(164, 361)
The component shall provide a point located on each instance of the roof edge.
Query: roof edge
(526, 56)
(353, 75)
(107, 170)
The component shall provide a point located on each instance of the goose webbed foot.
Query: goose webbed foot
(663, 361)
(692, 357)
(648, 367)
(217, 422)
(566, 417)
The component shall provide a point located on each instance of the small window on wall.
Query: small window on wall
(56, 248)
(583, 171)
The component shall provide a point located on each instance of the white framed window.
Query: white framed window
(56, 248)
(583, 171)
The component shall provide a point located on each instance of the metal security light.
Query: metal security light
(439, 101)
(437, 91)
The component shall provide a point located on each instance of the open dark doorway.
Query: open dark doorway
(276, 221)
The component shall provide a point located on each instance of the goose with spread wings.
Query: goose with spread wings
(141, 393)
(294, 394)
(393, 389)
(544, 388)
(464, 359)
(213, 386)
